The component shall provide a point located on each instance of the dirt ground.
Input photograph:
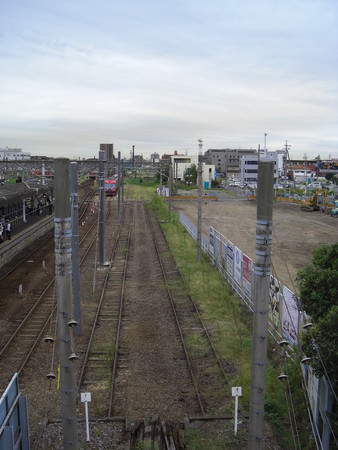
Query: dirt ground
(295, 232)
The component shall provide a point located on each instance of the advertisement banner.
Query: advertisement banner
(238, 267)
(224, 254)
(230, 259)
(218, 251)
(211, 241)
(246, 278)
(290, 315)
(274, 294)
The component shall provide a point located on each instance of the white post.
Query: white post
(24, 211)
(85, 398)
(236, 392)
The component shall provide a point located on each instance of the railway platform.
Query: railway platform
(24, 234)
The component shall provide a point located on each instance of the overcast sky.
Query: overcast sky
(161, 74)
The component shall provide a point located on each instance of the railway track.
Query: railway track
(145, 350)
(205, 367)
(99, 358)
(162, 358)
(22, 335)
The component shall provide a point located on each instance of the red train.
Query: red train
(111, 186)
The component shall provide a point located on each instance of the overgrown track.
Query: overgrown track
(206, 369)
(167, 363)
(151, 375)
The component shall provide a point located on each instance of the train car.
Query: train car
(110, 186)
(92, 175)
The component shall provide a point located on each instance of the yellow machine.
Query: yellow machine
(318, 200)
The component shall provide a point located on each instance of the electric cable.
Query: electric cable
(291, 400)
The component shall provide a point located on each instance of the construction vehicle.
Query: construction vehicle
(334, 212)
(318, 200)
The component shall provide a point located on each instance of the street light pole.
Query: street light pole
(305, 170)
(265, 135)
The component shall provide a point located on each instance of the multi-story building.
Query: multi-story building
(108, 150)
(227, 160)
(13, 154)
(249, 167)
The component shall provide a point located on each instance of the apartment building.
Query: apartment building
(227, 160)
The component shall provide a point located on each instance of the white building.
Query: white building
(249, 167)
(181, 163)
(13, 154)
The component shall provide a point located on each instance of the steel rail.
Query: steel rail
(176, 316)
(200, 318)
(41, 297)
(118, 331)
(36, 342)
(86, 357)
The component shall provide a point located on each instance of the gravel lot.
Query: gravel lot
(295, 232)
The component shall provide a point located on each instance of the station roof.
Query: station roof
(12, 193)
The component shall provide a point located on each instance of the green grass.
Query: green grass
(137, 189)
(231, 327)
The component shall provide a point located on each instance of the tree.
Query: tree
(318, 283)
(190, 174)
(165, 173)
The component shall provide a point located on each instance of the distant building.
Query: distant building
(108, 151)
(181, 163)
(227, 160)
(155, 157)
(249, 167)
(166, 157)
(13, 154)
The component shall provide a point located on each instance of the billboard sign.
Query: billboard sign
(211, 241)
(290, 316)
(238, 267)
(246, 278)
(230, 259)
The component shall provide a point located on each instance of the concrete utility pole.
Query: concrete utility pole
(122, 181)
(119, 185)
(199, 214)
(161, 182)
(170, 189)
(259, 152)
(43, 173)
(63, 271)
(75, 246)
(101, 210)
(134, 161)
(261, 303)
(286, 146)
